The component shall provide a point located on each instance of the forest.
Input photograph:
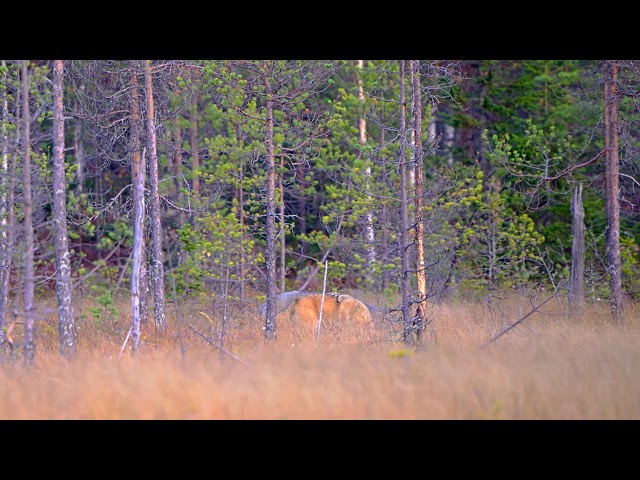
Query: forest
(228, 182)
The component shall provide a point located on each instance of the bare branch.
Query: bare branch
(214, 344)
(520, 320)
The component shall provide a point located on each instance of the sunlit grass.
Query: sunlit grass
(552, 366)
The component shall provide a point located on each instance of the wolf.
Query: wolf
(338, 311)
(283, 300)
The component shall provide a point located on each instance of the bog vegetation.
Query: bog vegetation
(551, 366)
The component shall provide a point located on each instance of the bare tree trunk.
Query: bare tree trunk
(407, 318)
(78, 149)
(362, 139)
(302, 205)
(157, 257)
(29, 282)
(144, 271)
(177, 163)
(421, 311)
(283, 245)
(613, 189)
(6, 213)
(195, 155)
(241, 222)
(137, 174)
(270, 253)
(66, 327)
(576, 282)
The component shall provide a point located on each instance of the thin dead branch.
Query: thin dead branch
(219, 347)
(533, 310)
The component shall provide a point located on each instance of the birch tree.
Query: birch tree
(29, 282)
(576, 281)
(418, 155)
(66, 327)
(7, 192)
(138, 178)
(157, 257)
(405, 281)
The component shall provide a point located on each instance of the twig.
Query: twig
(125, 342)
(520, 320)
(324, 289)
(214, 344)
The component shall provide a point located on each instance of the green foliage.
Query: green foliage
(106, 311)
(220, 252)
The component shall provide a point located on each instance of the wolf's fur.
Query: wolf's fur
(337, 310)
(283, 300)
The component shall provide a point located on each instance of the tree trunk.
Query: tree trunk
(576, 281)
(29, 282)
(613, 189)
(302, 205)
(6, 214)
(66, 327)
(283, 244)
(421, 311)
(178, 180)
(137, 174)
(407, 319)
(78, 149)
(157, 257)
(270, 253)
(243, 259)
(195, 155)
(369, 234)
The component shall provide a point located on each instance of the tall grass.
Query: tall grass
(551, 366)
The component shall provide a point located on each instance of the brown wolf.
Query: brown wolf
(338, 310)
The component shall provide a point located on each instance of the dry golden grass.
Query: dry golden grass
(549, 367)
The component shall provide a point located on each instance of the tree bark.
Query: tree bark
(421, 311)
(195, 154)
(157, 257)
(137, 174)
(270, 253)
(29, 282)
(576, 281)
(66, 327)
(7, 185)
(78, 149)
(362, 139)
(283, 244)
(407, 319)
(613, 189)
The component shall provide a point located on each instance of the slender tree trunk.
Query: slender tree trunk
(7, 186)
(576, 282)
(283, 245)
(29, 282)
(613, 189)
(78, 148)
(137, 174)
(157, 257)
(243, 258)
(362, 139)
(195, 155)
(302, 204)
(66, 327)
(144, 271)
(270, 253)
(407, 318)
(179, 182)
(421, 311)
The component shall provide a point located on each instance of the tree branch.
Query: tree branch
(520, 320)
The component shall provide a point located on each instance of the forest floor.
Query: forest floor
(208, 366)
